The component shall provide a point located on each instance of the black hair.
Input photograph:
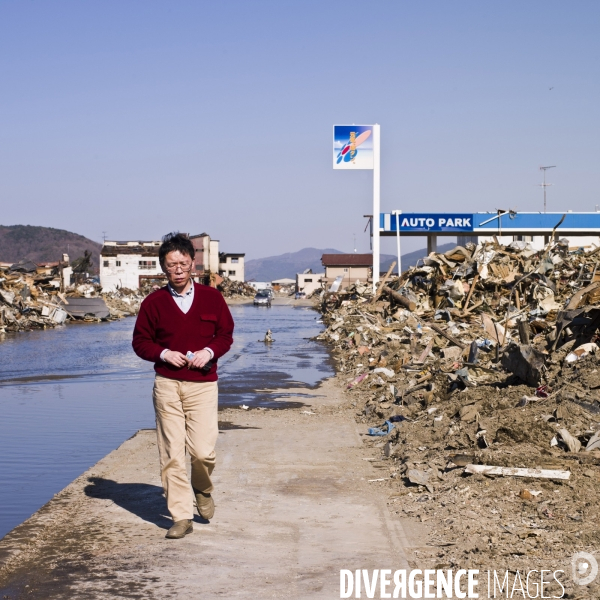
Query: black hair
(175, 241)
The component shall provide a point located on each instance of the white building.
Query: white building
(283, 285)
(123, 263)
(231, 265)
(260, 285)
(127, 264)
(308, 282)
(284, 282)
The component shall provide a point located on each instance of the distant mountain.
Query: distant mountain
(41, 244)
(287, 265)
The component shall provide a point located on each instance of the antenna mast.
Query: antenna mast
(545, 185)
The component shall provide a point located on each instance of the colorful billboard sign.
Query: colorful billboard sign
(353, 146)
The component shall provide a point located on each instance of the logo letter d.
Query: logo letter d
(346, 583)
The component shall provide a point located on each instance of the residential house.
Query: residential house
(308, 282)
(126, 264)
(352, 267)
(231, 265)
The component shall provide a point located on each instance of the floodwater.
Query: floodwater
(69, 396)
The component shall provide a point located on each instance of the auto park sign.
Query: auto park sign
(432, 222)
(489, 223)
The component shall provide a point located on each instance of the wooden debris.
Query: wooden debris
(517, 472)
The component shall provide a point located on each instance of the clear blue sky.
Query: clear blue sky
(137, 118)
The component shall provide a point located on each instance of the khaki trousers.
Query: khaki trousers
(186, 419)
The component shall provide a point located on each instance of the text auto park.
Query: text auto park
(435, 223)
(427, 223)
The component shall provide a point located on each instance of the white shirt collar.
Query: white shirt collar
(177, 294)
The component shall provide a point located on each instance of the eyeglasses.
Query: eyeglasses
(184, 268)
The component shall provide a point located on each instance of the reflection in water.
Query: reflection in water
(69, 396)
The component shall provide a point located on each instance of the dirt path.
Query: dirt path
(294, 506)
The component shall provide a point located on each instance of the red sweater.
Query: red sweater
(162, 324)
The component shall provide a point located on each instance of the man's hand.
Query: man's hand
(175, 358)
(200, 359)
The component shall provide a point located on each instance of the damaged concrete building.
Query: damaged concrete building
(231, 265)
(125, 264)
(134, 264)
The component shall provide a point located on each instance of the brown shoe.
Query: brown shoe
(180, 529)
(205, 504)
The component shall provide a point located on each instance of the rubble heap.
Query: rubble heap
(230, 288)
(476, 377)
(30, 298)
(124, 302)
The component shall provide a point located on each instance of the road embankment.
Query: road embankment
(294, 505)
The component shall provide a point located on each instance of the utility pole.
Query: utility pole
(545, 185)
(398, 213)
(104, 235)
(369, 224)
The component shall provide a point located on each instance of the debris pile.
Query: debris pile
(286, 290)
(124, 302)
(477, 378)
(230, 288)
(30, 297)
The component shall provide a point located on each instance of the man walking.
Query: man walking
(184, 328)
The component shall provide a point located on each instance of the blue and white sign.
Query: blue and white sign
(491, 223)
(429, 222)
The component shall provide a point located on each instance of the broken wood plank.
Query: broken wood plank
(524, 331)
(420, 384)
(467, 311)
(495, 331)
(577, 297)
(517, 472)
(400, 299)
(449, 337)
(471, 290)
(425, 353)
(383, 282)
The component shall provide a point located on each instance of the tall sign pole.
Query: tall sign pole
(357, 147)
(398, 213)
(376, 206)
